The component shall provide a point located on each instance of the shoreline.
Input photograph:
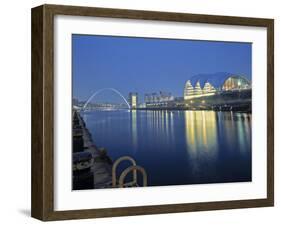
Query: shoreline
(100, 172)
(172, 109)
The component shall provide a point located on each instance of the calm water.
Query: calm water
(178, 147)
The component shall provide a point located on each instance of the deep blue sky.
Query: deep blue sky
(147, 65)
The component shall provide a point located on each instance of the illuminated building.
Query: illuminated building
(133, 100)
(158, 99)
(209, 84)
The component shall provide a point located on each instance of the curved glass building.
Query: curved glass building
(209, 84)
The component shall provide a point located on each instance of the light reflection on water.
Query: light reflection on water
(178, 147)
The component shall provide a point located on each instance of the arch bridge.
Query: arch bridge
(102, 90)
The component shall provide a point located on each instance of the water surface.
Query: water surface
(178, 147)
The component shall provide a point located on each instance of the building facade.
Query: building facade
(160, 97)
(210, 84)
(133, 100)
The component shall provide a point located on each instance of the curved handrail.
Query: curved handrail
(116, 163)
(129, 169)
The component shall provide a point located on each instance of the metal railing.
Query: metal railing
(134, 168)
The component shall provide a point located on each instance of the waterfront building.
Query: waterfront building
(197, 89)
(165, 96)
(188, 89)
(209, 84)
(133, 100)
(208, 88)
(146, 98)
(142, 105)
(160, 97)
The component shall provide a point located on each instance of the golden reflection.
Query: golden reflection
(167, 123)
(161, 127)
(201, 131)
(162, 121)
(204, 132)
(171, 120)
(134, 129)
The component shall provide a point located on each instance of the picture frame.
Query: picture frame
(43, 108)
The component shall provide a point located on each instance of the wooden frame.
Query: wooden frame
(43, 108)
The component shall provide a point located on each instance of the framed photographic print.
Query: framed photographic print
(141, 112)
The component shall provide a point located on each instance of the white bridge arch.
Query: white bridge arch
(101, 90)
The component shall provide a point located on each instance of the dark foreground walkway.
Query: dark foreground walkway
(99, 172)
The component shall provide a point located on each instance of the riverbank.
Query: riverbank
(92, 167)
(239, 109)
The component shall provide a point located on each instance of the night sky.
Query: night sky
(147, 65)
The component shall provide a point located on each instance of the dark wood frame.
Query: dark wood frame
(42, 203)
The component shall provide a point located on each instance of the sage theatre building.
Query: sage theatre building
(203, 85)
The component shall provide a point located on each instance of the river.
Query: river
(178, 147)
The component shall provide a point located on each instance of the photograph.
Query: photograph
(142, 111)
(160, 112)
